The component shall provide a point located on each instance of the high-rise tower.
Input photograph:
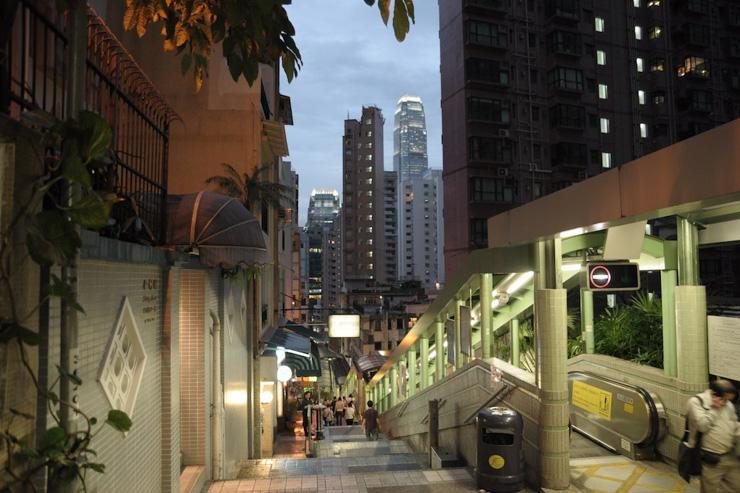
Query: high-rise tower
(409, 138)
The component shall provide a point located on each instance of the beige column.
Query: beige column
(691, 336)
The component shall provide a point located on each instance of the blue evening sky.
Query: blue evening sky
(352, 59)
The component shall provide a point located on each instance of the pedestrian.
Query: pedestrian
(713, 425)
(370, 422)
(339, 411)
(327, 414)
(349, 413)
(306, 414)
(351, 400)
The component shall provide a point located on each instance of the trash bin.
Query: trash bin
(500, 452)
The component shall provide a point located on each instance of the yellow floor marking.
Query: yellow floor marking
(632, 480)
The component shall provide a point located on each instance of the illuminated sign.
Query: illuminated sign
(613, 276)
(344, 326)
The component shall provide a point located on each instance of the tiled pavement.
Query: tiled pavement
(347, 463)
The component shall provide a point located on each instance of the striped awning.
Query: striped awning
(340, 370)
(302, 366)
(369, 362)
(275, 337)
(304, 331)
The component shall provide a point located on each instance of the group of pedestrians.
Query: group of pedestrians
(339, 411)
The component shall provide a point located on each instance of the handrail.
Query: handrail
(495, 399)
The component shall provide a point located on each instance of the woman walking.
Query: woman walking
(349, 413)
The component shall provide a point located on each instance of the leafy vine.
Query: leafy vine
(62, 200)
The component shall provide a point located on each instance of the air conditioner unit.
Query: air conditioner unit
(504, 133)
(502, 171)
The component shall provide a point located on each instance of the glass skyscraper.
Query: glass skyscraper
(409, 138)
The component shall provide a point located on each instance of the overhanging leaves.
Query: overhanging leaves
(51, 238)
(119, 420)
(64, 291)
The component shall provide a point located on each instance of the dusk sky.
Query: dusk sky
(352, 59)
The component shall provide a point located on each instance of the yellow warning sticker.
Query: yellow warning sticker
(629, 408)
(496, 461)
(592, 399)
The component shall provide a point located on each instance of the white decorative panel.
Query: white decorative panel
(123, 367)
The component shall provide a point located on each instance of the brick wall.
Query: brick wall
(192, 304)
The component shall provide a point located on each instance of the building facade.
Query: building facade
(421, 229)
(321, 233)
(409, 138)
(541, 94)
(390, 224)
(363, 230)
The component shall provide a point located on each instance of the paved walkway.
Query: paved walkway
(347, 463)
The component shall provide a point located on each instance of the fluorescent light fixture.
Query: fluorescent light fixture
(571, 267)
(280, 354)
(235, 397)
(344, 326)
(520, 281)
(299, 353)
(572, 232)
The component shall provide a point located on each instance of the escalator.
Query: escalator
(623, 418)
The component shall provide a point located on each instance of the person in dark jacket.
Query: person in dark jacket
(306, 416)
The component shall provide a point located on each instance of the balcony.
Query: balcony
(569, 155)
(563, 10)
(499, 6)
(33, 88)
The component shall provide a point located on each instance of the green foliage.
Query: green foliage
(248, 188)
(250, 32)
(633, 332)
(61, 201)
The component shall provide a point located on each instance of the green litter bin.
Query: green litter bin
(500, 453)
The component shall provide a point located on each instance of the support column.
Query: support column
(668, 280)
(550, 307)
(424, 356)
(411, 365)
(587, 319)
(381, 395)
(514, 334)
(394, 385)
(459, 362)
(486, 315)
(441, 358)
(691, 310)
(688, 258)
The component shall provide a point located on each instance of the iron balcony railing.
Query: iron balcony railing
(32, 81)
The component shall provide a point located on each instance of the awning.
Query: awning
(368, 363)
(275, 337)
(216, 228)
(306, 332)
(302, 366)
(325, 352)
(340, 370)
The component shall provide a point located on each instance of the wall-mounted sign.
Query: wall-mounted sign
(613, 276)
(344, 326)
(724, 346)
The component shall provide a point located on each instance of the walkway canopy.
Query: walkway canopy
(216, 228)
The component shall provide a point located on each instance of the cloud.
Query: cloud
(351, 59)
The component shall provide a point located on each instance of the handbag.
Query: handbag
(689, 458)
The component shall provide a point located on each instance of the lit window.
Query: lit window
(606, 160)
(369, 157)
(657, 65)
(638, 32)
(369, 169)
(369, 217)
(643, 130)
(653, 3)
(603, 91)
(599, 24)
(655, 32)
(640, 64)
(636, 3)
(601, 57)
(641, 96)
(604, 124)
(369, 133)
(694, 65)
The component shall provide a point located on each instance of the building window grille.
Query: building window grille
(606, 160)
(600, 57)
(695, 66)
(487, 34)
(486, 70)
(479, 231)
(566, 78)
(568, 115)
(603, 91)
(604, 125)
(656, 32)
(491, 190)
(489, 149)
(490, 110)
(641, 96)
(564, 42)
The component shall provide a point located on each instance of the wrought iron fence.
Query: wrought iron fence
(32, 82)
